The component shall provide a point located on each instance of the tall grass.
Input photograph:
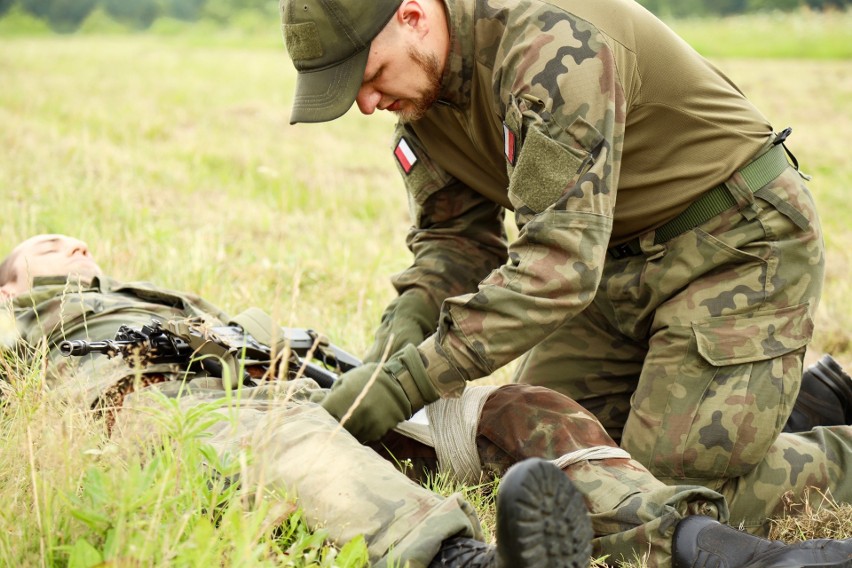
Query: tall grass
(176, 162)
(799, 35)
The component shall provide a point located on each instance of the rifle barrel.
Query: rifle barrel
(80, 347)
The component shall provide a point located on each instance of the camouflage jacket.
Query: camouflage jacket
(57, 309)
(549, 109)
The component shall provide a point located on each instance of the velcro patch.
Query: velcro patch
(405, 155)
(302, 41)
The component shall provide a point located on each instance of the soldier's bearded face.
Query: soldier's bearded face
(50, 255)
(406, 83)
(417, 107)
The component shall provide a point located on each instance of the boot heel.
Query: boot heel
(542, 520)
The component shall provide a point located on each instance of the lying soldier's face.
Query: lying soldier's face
(49, 255)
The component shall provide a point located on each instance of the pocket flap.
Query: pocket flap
(736, 339)
(535, 186)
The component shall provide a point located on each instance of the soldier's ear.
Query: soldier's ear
(413, 15)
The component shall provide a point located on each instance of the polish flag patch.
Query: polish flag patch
(405, 155)
(509, 144)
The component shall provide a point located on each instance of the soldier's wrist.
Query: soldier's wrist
(408, 370)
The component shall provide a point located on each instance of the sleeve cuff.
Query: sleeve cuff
(444, 376)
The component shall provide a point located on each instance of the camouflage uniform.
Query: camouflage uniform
(57, 309)
(289, 440)
(292, 440)
(599, 127)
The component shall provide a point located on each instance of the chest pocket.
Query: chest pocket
(551, 159)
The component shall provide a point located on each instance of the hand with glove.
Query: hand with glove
(408, 320)
(371, 399)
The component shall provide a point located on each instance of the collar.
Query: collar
(46, 287)
(57, 280)
(97, 282)
(458, 73)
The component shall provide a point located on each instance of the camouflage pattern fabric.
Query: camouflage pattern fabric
(546, 109)
(288, 443)
(296, 450)
(633, 514)
(595, 124)
(691, 355)
(281, 430)
(59, 308)
(291, 440)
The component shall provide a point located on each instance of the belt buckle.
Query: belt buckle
(621, 251)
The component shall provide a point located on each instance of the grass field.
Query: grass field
(176, 162)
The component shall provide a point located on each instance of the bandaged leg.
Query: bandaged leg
(633, 514)
(296, 449)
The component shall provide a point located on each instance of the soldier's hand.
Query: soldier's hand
(371, 399)
(408, 320)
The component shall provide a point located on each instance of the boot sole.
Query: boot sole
(542, 520)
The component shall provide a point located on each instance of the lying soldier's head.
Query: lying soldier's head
(45, 255)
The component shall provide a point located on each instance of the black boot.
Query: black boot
(825, 398)
(701, 542)
(542, 522)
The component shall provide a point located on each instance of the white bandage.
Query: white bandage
(454, 423)
(594, 453)
(450, 427)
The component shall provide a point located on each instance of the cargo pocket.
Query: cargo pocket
(754, 370)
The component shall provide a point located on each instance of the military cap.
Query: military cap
(329, 42)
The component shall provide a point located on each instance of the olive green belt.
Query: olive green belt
(756, 174)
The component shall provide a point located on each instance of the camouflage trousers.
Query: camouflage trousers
(633, 514)
(295, 450)
(691, 354)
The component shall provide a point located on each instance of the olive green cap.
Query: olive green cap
(329, 42)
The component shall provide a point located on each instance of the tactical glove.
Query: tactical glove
(408, 320)
(400, 388)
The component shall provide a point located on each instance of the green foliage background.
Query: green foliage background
(69, 15)
(170, 152)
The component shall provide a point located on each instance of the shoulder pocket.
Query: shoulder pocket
(422, 176)
(550, 162)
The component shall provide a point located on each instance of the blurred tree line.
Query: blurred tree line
(68, 15)
(687, 8)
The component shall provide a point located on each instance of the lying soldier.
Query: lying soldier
(58, 293)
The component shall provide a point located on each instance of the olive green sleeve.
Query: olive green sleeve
(457, 236)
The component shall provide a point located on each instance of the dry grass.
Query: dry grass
(818, 517)
(177, 163)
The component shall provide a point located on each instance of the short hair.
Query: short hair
(7, 269)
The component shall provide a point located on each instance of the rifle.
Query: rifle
(196, 346)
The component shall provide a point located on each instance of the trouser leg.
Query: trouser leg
(633, 514)
(810, 466)
(725, 354)
(726, 311)
(297, 450)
